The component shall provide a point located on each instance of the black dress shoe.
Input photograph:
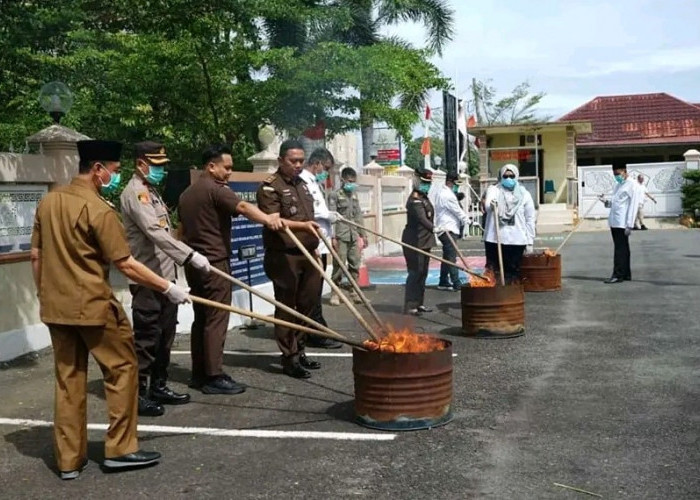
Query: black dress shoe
(161, 393)
(132, 460)
(148, 408)
(322, 342)
(424, 309)
(614, 279)
(295, 370)
(308, 363)
(627, 278)
(222, 384)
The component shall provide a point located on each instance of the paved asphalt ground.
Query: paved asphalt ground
(602, 393)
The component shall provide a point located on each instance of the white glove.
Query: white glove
(177, 294)
(529, 249)
(199, 261)
(438, 230)
(628, 231)
(333, 216)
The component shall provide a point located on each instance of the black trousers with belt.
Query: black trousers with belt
(155, 322)
(621, 259)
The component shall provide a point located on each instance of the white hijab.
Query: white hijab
(509, 202)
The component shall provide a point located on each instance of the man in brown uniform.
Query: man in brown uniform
(205, 209)
(77, 234)
(296, 282)
(148, 230)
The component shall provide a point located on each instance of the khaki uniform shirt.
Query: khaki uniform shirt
(205, 209)
(79, 234)
(149, 231)
(293, 201)
(348, 206)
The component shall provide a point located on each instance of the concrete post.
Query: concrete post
(377, 171)
(58, 144)
(266, 160)
(692, 159)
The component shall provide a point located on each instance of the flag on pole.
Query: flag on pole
(471, 123)
(427, 112)
(425, 147)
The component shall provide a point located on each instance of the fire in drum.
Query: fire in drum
(493, 310)
(541, 272)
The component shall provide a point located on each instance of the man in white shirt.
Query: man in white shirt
(315, 175)
(449, 216)
(643, 195)
(623, 205)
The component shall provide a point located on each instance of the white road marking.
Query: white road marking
(211, 431)
(277, 353)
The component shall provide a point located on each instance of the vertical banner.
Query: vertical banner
(449, 110)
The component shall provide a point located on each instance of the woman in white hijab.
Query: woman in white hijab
(509, 205)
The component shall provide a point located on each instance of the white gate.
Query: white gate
(663, 182)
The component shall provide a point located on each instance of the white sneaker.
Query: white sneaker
(335, 300)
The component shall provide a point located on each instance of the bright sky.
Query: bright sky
(573, 50)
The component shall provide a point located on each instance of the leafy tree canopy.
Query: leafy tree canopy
(519, 107)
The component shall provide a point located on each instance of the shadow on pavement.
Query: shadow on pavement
(344, 411)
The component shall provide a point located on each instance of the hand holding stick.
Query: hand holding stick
(461, 255)
(334, 287)
(274, 321)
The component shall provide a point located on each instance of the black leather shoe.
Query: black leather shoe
(322, 342)
(148, 408)
(222, 384)
(295, 370)
(627, 278)
(612, 280)
(161, 393)
(308, 363)
(132, 460)
(424, 309)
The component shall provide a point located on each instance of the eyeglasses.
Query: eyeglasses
(510, 176)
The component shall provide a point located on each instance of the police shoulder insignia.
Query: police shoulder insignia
(144, 197)
(268, 188)
(270, 179)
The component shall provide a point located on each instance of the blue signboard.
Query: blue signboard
(245, 232)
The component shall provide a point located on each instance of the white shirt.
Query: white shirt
(642, 194)
(322, 215)
(448, 214)
(520, 233)
(624, 204)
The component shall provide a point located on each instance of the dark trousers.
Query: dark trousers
(155, 322)
(621, 259)
(417, 265)
(448, 274)
(317, 314)
(512, 258)
(296, 283)
(210, 325)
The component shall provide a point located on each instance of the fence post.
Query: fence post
(376, 171)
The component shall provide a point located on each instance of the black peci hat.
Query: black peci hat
(94, 150)
(425, 175)
(453, 177)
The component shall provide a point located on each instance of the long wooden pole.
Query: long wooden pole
(410, 247)
(352, 281)
(496, 224)
(461, 255)
(275, 303)
(333, 286)
(274, 321)
(580, 222)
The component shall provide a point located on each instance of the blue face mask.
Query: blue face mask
(349, 187)
(619, 179)
(424, 188)
(321, 177)
(114, 180)
(155, 174)
(509, 183)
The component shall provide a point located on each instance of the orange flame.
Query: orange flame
(483, 283)
(549, 253)
(405, 342)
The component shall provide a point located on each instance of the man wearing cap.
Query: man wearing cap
(77, 235)
(449, 216)
(206, 209)
(149, 232)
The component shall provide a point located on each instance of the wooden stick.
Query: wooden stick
(572, 488)
(352, 281)
(333, 286)
(498, 241)
(275, 303)
(461, 255)
(580, 222)
(274, 321)
(410, 247)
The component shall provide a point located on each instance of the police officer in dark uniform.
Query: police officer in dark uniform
(418, 233)
(296, 282)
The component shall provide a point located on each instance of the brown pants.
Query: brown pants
(112, 346)
(296, 284)
(210, 325)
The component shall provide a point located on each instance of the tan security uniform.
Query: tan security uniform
(79, 234)
(348, 206)
(295, 280)
(148, 231)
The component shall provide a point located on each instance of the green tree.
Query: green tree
(691, 192)
(519, 107)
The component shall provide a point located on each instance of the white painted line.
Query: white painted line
(276, 353)
(211, 431)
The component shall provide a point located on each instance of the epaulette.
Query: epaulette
(107, 202)
(270, 179)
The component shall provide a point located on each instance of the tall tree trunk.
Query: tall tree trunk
(367, 129)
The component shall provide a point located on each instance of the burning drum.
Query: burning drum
(400, 387)
(493, 310)
(541, 272)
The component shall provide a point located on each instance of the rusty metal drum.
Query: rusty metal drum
(541, 273)
(497, 311)
(403, 391)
